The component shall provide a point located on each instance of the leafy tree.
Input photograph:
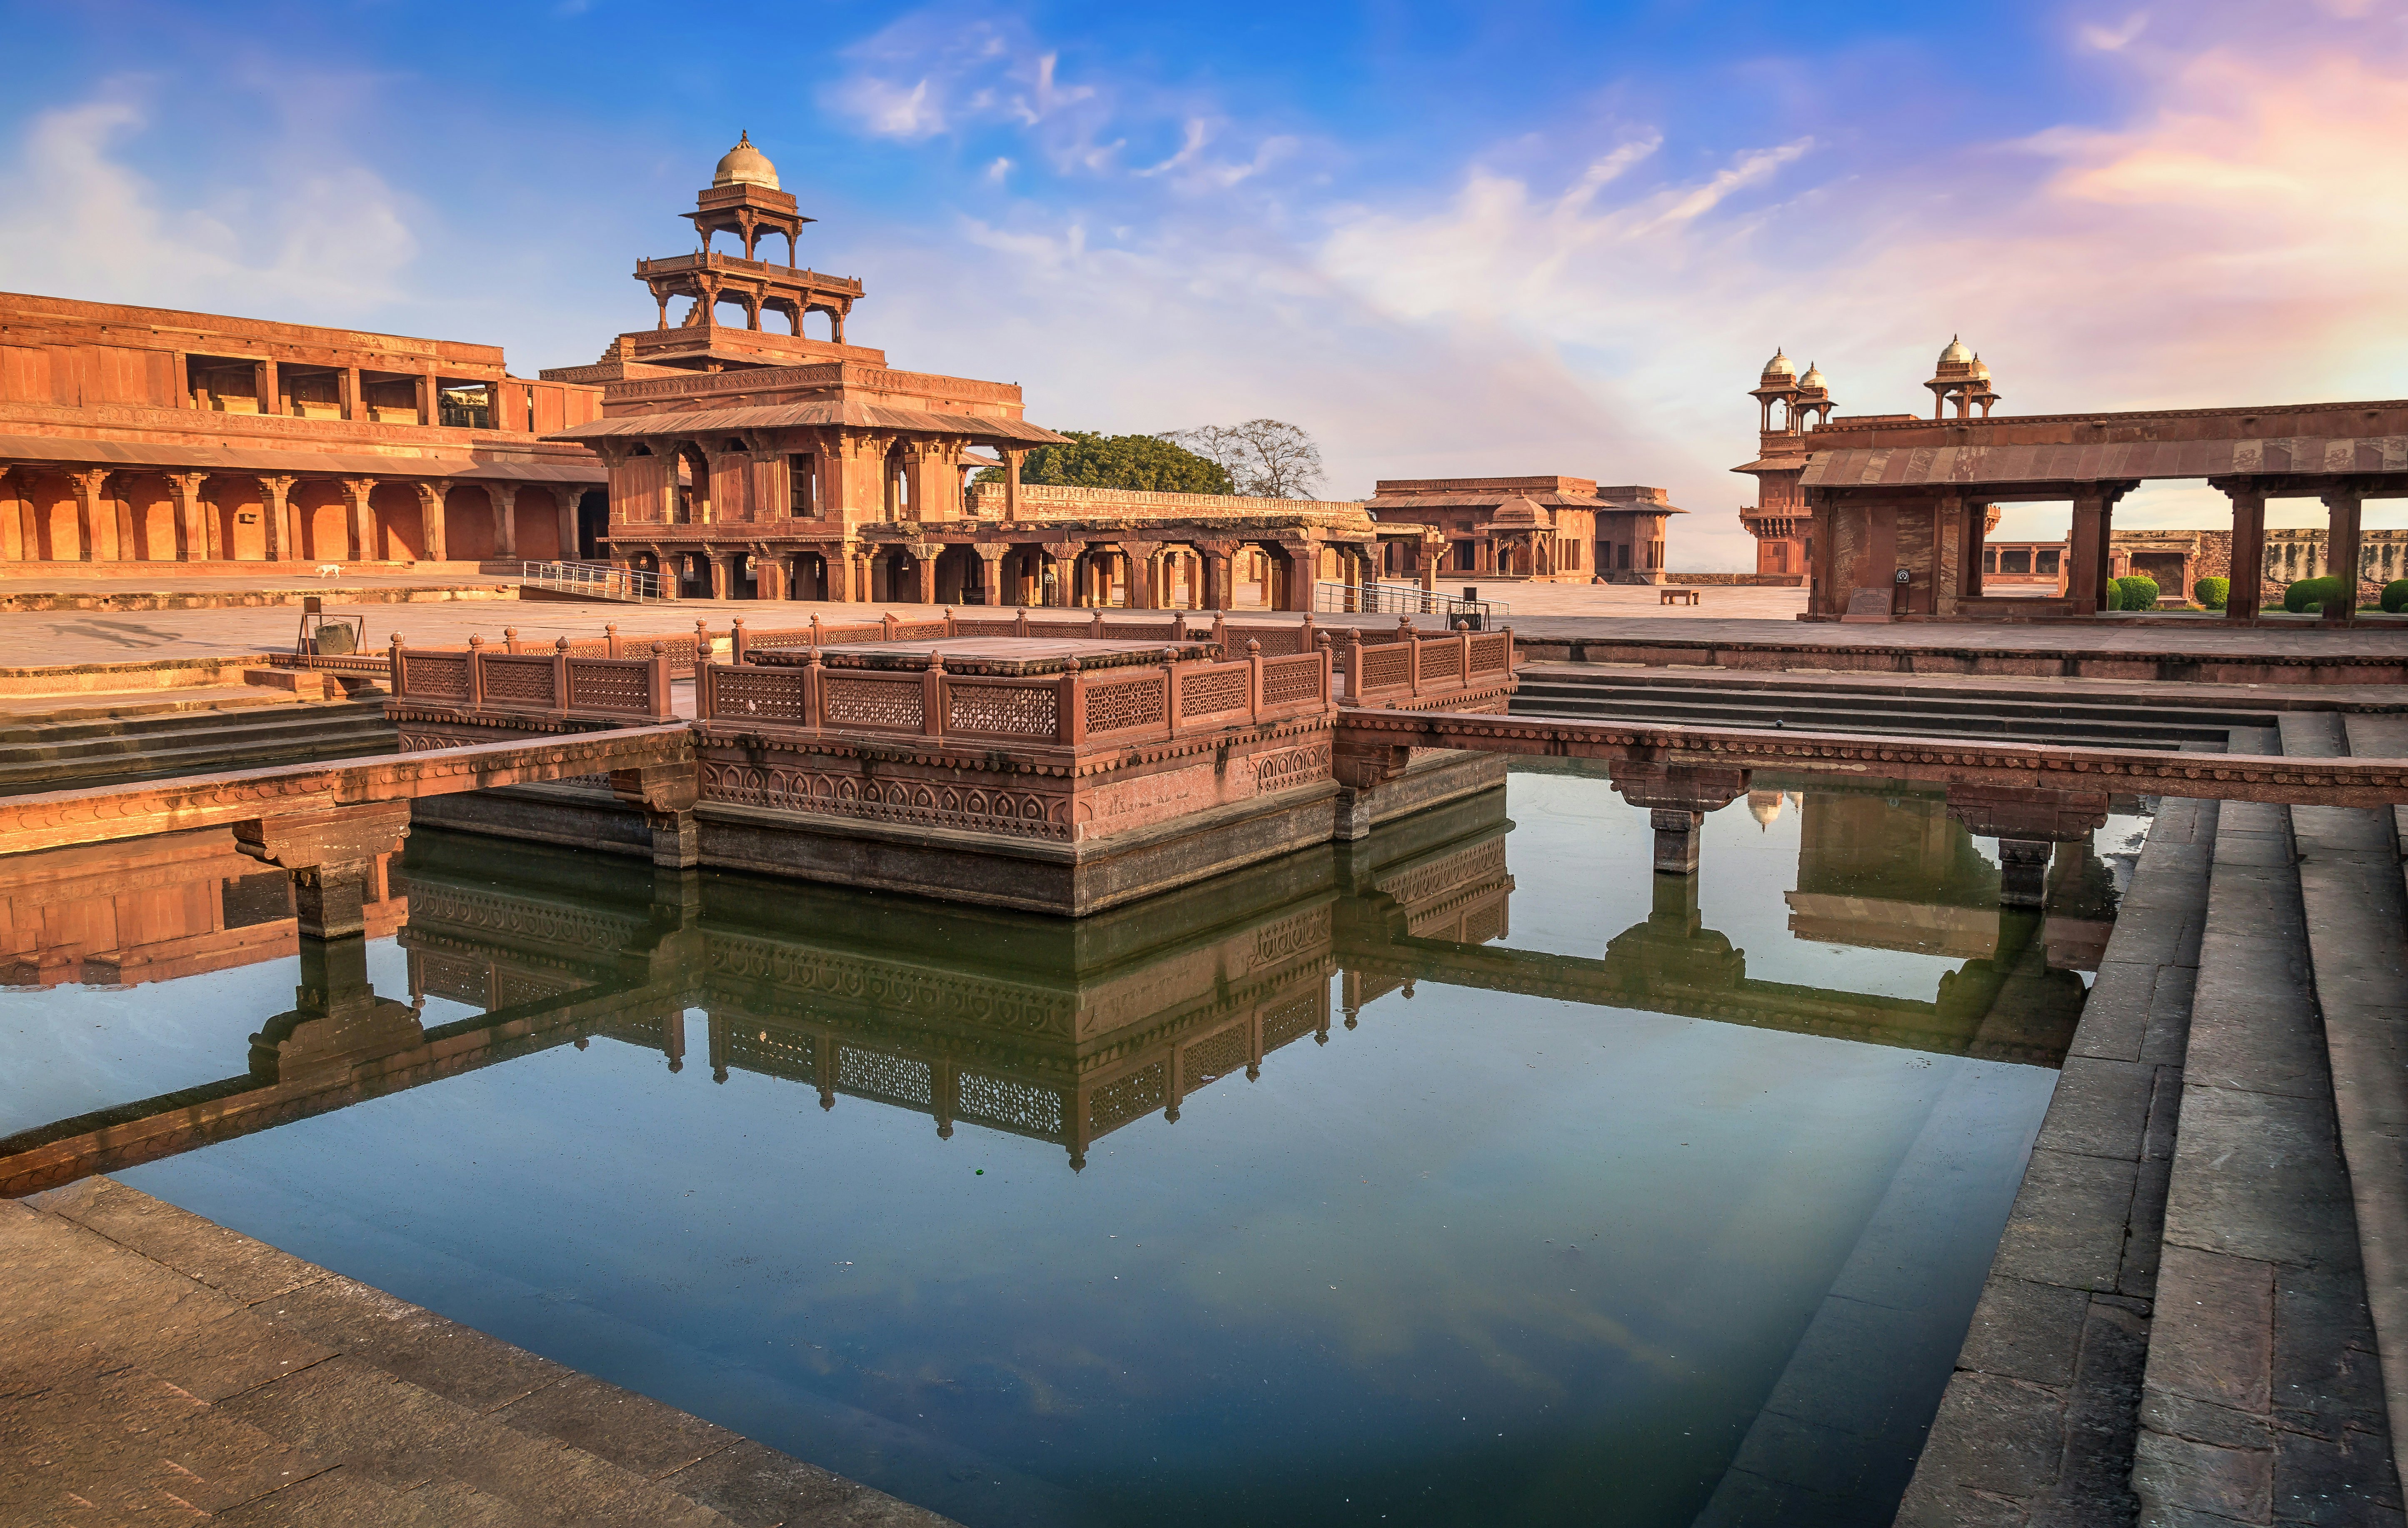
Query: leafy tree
(1147, 463)
(1264, 457)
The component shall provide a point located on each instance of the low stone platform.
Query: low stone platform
(279, 586)
(158, 1367)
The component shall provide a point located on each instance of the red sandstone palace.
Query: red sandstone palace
(731, 457)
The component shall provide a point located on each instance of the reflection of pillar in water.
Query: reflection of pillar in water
(2023, 872)
(1677, 833)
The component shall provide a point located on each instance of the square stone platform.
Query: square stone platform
(1009, 656)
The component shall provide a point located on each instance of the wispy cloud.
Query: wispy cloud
(322, 238)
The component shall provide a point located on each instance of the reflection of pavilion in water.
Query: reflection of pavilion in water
(1067, 1030)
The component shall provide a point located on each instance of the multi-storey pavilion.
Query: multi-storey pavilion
(131, 437)
(743, 461)
(1888, 513)
(1547, 530)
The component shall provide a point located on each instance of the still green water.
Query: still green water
(1472, 1174)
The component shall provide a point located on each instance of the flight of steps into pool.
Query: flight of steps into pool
(2000, 713)
(108, 740)
(2199, 1311)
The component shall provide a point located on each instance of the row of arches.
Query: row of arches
(48, 516)
(1172, 575)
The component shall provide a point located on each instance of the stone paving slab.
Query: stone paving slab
(155, 1368)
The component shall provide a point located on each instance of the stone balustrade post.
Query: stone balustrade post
(475, 673)
(932, 698)
(1070, 712)
(559, 687)
(657, 685)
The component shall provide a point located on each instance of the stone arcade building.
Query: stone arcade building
(1888, 514)
(133, 436)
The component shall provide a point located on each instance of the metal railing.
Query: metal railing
(596, 580)
(1406, 599)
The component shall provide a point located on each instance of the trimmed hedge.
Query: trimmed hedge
(2314, 594)
(2136, 592)
(2212, 592)
(2395, 596)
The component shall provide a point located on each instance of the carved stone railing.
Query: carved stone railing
(1409, 668)
(1127, 704)
(1278, 640)
(554, 683)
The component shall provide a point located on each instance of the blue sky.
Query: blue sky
(1444, 239)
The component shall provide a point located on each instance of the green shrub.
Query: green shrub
(2395, 596)
(2212, 592)
(2136, 592)
(2312, 594)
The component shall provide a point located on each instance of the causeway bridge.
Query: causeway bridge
(324, 823)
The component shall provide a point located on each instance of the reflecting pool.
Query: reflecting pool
(1471, 1172)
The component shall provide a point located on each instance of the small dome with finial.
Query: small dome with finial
(1956, 354)
(1980, 369)
(745, 165)
(1813, 380)
(1780, 368)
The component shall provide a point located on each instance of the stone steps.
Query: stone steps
(161, 1365)
(57, 755)
(1826, 706)
(2181, 1324)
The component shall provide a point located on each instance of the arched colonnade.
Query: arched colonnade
(71, 514)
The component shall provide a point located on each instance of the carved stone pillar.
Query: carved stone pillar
(665, 793)
(1011, 481)
(275, 493)
(768, 573)
(1218, 573)
(331, 856)
(1064, 555)
(95, 518)
(1677, 797)
(364, 537)
(924, 570)
(2247, 573)
(990, 556)
(430, 518)
(722, 575)
(1142, 595)
(2028, 824)
(2343, 540)
(192, 530)
(504, 497)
